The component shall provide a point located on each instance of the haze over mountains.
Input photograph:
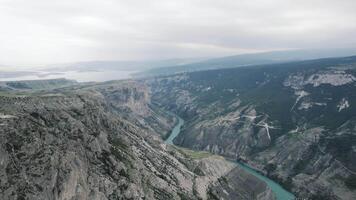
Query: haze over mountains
(253, 59)
(113, 70)
(91, 70)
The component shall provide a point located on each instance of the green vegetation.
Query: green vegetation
(306, 158)
(350, 182)
(212, 195)
(119, 143)
(341, 146)
(121, 151)
(39, 84)
(194, 154)
(303, 95)
(198, 171)
(13, 94)
(270, 167)
(267, 58)
(223, 179)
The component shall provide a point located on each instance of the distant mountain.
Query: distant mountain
(121, 65)
(250, 59)
(89, 71)
(13, 74)
(36, 84)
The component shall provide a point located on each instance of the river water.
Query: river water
(278, 190)
(175, 131)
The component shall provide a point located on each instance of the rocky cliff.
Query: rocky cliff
(97, 141)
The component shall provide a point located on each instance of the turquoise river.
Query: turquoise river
(279, 191)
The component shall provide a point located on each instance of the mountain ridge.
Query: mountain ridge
(252, 59)
(292, 121)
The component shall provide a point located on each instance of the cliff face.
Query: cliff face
(132, 101)
(95, 142)
(228, 187)
(73, 147)
(295, 122)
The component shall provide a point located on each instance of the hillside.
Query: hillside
(35, 85)
(293, 121)
(249, 60)
(102, 141)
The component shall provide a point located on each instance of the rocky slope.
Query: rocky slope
(36, 84)
(295, 121)
(98, 141)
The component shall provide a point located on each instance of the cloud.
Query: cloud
(44, 31)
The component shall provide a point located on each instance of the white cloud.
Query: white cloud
(47, 31)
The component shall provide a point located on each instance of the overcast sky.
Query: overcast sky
(37, 32)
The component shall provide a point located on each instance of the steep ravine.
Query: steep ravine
(280, 193)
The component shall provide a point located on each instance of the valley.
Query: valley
(279, 192)
(294, 122)
(242, 133)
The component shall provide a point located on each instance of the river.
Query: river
(175, 131)
(279, 191)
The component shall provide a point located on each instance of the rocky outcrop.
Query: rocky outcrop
(227, 187)
(72, 147)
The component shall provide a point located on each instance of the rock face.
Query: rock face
(295, 122)
(96, 141)
(227, 187)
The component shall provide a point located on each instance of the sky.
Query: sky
(41, 32)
